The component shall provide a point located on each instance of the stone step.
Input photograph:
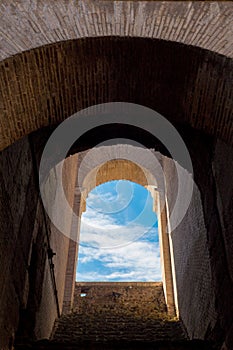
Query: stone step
(138, 314)
(165, 345)
(76, 328)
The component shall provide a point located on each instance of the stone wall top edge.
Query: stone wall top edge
(146, 284)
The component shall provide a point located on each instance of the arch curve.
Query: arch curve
(35, 23)
(44, 86)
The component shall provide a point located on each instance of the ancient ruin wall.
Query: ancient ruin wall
(60, 244)
(22, 236)
(140, 296)
(222, 166)
(191, 264)
(26, 293)
(114, 312)
(201, 24)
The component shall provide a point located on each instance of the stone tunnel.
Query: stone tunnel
(172, 61)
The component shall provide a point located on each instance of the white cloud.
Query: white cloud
(108, 202)
(123, 250)
(103, 231)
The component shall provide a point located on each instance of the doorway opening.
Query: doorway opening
(119, 239)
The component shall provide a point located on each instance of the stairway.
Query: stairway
(118, 316)
(165, 345)
(114, 312)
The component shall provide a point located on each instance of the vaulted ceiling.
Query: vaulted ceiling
(174, 57)
(28, 24)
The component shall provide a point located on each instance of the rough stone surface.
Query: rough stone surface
(192, 270)
(196, 306)
(222, 169)
(164, 345)
(223, 159)
(21, 151)
(27, 293)
(115, 312)
(46, 85)
(29, 24)
(42, 85)
(60, 244)
(21, 246)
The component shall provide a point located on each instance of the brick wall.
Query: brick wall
(61, 245)
(51, 83)
(222, 169)
(139, 296)
(194, 282)
(22, 241)
(201, 24)
(26, 294)
(25, 222)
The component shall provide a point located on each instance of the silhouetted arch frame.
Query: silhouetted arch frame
(116, 169)
(61, 140)
(45, 85)
(121, 169)
(152, 122)
(16, 123)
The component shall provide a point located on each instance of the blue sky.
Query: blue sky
(119, 235)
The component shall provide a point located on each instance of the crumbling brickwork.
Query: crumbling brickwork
(90, 71)
(26, 293)
(35, 23)
(115, 312)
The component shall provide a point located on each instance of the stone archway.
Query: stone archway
(190, 85)
(175, 268)
(203, 24)
(124, 169)
(23, 145)
(181, 79)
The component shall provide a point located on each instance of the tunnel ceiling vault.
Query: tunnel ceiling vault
(26, 25)
(185, 84)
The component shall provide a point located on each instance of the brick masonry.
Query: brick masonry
(192, 275)
(22, 241)
(27, 293)
(115, 312)
(26, 25)
(191, 259)
(183, 272)
(26, 220)
(46, 85)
